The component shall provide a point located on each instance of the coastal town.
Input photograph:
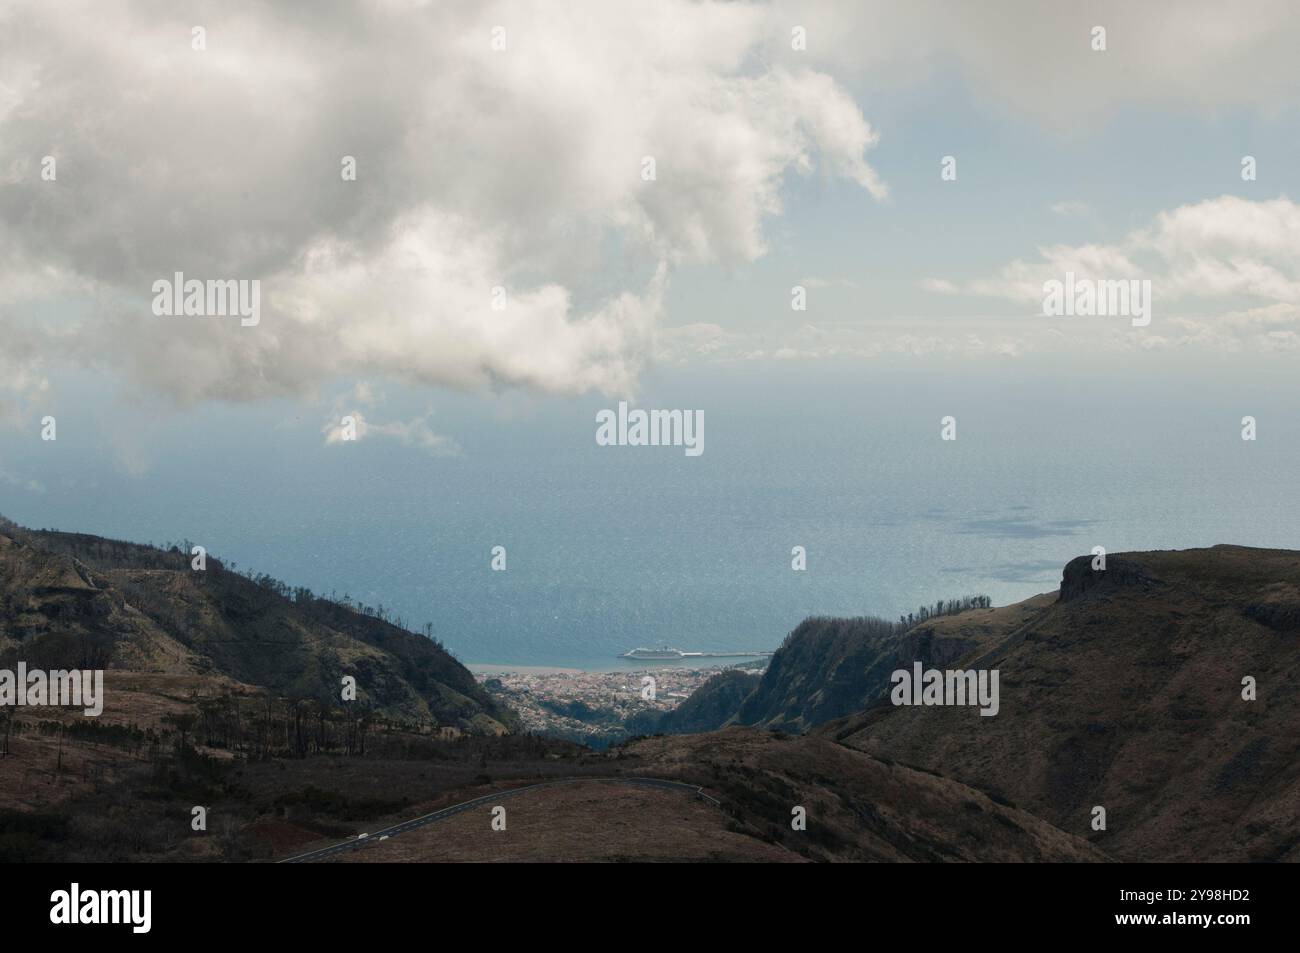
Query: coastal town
(592, 707)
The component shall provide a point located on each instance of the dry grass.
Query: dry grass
(589, 822)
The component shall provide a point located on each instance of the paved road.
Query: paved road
(492, 799)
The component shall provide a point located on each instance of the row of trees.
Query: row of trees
(944, 607)
(177, 555)
(306, 599)
(271, 727)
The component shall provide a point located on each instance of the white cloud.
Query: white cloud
(1211, 249)
(412, 433)
(688, 341)
(475, 169)
(11, 479)
(1070, 208)
(1199, 258)
(1035, 58)
(815, 281)
(869, 339)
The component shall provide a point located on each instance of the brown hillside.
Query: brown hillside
(77, 601)
(859, 808)
(1126, 692)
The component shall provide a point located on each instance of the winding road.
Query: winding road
(493, 799)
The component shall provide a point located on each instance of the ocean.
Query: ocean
(608, 548)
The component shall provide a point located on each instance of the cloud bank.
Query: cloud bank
(484, 176)
(1225, 272)
(1036, 59)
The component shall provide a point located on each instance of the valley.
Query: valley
(1122, 690)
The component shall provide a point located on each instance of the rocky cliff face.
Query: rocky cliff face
(1128, 694)
(1121, 572)
(829, 668)
(1161, 689)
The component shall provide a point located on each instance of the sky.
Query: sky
(503, 252)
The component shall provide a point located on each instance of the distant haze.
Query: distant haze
(609, 548)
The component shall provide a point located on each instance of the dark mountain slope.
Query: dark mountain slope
(828, 668)
(709, 707)
(71, 600)
(1126, 693)
(858, 808)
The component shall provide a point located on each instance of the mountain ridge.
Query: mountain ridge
(1123, 690)
(76, 600)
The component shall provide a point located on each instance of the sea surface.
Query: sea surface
(609, 548)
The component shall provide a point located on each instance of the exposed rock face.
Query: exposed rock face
(1080, 578)
(1123, 690)
(829, 668)
(1129, 694)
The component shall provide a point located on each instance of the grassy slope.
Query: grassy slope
(70, 600)
(1126, 694)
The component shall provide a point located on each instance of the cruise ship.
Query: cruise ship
(663, 652)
